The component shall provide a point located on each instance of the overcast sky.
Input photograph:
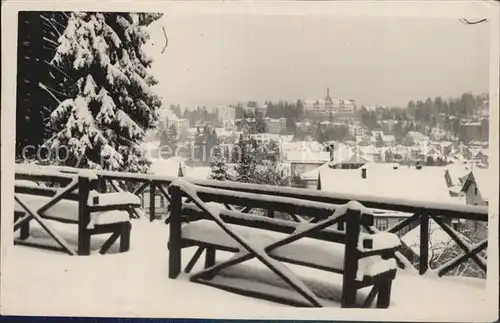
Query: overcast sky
(215, 59)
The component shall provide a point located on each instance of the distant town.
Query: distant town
(312, 132)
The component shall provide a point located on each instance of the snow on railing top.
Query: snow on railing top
(374, 202)
(50, 171)
(195, 189)
(186, 187)
(135, 176)
(479, 213)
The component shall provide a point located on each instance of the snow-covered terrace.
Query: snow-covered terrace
(136, 283)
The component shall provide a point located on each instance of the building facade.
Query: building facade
(275, 126)
(226, 116)
(477, 129)
(319, 107)
(344, 109)
(338, 109)
(168, 120)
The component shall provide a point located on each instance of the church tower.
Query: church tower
(328, 99)
(329, 104)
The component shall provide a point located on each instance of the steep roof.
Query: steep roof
(166, 113)
(457, 172)
(485, 182)
(304, 151)
(168, 167)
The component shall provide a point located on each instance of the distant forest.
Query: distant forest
(425, 111)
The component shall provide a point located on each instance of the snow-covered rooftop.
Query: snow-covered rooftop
(485, 182)
(304, 151)
(382, 180)
(353, 159)
(167, 166)
(166, 113)
(170, 167)
(458, 171)
(418, 136)
(313, 173)
(369, 150)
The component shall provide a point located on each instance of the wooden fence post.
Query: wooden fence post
(174, 244)
(83, 216)
(349, 288)
(152, 198)
(102, 184)
(423, 263)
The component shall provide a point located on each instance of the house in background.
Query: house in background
(310, 178)
(173, 167)
(389, 181)
(481, 157)
(455, 177)
(226, 116)
(416, 138)
(371, 152)
(168, 119)
(478, 187)
(275, 126)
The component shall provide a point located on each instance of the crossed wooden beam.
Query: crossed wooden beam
(38, 216)
(251, 252)
(470, 252)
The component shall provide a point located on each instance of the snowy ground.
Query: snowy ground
(136, 283)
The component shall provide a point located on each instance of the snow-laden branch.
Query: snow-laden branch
(51, 41)
(52, 24)
(44, 87)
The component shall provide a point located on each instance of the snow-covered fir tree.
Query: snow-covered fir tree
(259, 164)
(271, 172)
(199, 149)
(218, 167)
(105, 115)
(168, 142)
(245, 169)
(168, 136)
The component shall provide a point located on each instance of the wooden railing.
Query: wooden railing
(422, 212)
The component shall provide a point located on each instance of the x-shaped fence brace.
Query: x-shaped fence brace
(470, 251)
(163, 189)
(38, 216)
(262, 255)
(116, 187)
(401, 260)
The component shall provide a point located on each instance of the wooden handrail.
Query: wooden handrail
(472, 212)
(457, 211)
(422, 211)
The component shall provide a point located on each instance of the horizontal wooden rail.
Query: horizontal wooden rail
(244, 197)
(470, 212)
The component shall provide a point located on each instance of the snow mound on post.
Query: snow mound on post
(186, 187)
(374, 265)
(113, 198)
(380, 241)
